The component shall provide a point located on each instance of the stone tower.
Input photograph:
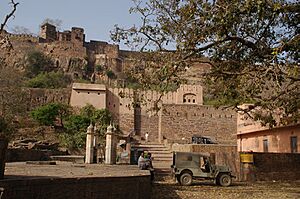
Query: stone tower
(48, 33)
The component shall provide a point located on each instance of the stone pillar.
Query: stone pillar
(89, 150)
(95, 144)
(110, 148)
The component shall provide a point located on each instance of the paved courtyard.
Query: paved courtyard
(69, 170)
(168, 189)
(162, 188)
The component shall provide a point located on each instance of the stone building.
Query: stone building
(48, 33)
(73, 55)
(182, 113)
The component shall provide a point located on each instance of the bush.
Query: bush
(77, 123)
(36, 63)
(47, 114)
(73, 140)
(99, 68)
(75, 134)
(49, 80)
(111, 75)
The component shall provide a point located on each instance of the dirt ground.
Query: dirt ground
(169, 189)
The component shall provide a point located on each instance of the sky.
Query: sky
(97, 17)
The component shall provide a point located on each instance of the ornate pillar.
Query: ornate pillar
(110, 148)
(89, 150)
(95, 144)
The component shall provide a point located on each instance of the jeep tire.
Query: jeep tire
(186, 179)
(224, 180)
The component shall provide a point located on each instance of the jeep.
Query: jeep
(188, 166)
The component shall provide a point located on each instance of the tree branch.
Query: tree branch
(11, 14)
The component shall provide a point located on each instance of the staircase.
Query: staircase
(162, 156)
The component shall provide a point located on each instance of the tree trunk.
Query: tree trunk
(3, 148)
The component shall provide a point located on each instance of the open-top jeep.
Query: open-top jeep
(187, 166)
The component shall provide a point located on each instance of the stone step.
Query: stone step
(157, 159)
(162, 155)
(149, 147)
(160, 151)
(68, 158)
(162, 164)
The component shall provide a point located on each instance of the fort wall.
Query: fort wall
(38, 97)
(181, 122)
(22, 37)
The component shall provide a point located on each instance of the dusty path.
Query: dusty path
(168, 189)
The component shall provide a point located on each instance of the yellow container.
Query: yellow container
(246, 157)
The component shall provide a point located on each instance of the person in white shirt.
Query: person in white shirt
(146, 136)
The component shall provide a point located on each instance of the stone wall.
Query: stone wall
(150, 125)
(19, 155)
(126, 122)
(22, 37)
(92, 188)
(38, 97)
(276, 166)
(180, 122)
(222, 154)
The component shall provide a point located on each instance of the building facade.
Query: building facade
(181, 114)
(252, 136)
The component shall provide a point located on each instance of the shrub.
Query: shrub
(49, 80)
(36, 63)
(110, 74)
(47, 114)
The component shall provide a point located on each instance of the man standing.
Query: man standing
(142, 161)
(146, 136)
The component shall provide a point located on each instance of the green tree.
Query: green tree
(75, 132)
(252, 46)
(37, 62)
(49, 80)
(101, 117)
(48, 114)
(76, 126)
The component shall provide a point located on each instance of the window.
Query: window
(185, 157)
(294, 144)
(265, 143)
(189, 97)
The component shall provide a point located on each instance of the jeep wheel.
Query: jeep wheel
(186, 179)
(224, 180)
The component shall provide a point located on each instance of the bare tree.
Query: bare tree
(21, 30)
(251, 46)
(55, 22)
(10, 15)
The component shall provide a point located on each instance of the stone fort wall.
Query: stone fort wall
(182, 114)
(141, 120)
(181, 122)
(22, 37)
(119, 100)
(38, 97)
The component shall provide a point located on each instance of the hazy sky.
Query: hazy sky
(97, 17)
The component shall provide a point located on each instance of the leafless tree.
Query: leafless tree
(10, 15)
